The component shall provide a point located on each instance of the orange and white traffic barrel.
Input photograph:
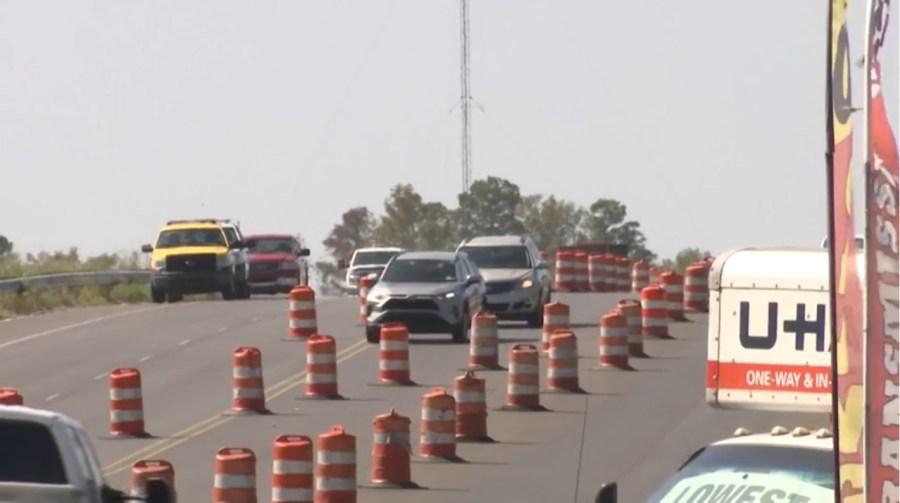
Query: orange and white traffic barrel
(302, 312)
(523, 379)
(581, 271)
(484, 352)
(335, 467)
(596, 273)
(391, 465)
(696, 287)
(321, 367)
(673, 284)
(556, 317)
(11, 396)
(623, 274)
(126, 403)
(234, 479)
(393, 355)
(608, 261)
(640, 276)
(614, 341)
(364, 286)
(292, 469)
(631, 310)
(437, 432)
(565, 273)
(655, 273)
(654, 312)
(471, 408)
(562, 362)
(248, 390)
(145, 470)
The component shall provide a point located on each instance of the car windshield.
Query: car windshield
(190, 237)
(273, 245)
(29, 454)
(420, 271)
(372, 257)
(742, 471)
(498, 257)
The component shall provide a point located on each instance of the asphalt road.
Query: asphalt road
(633, 427)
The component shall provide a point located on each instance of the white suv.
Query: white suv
(366, 262)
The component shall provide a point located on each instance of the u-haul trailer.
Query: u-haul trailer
(769, 330)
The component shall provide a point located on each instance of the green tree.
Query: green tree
(489, 207)
(438, 230)
(606, 221)
(684, 258)
(354, 231)
(551, 222)
(6, 246)
(403, 218)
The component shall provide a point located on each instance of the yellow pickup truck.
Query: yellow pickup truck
(199, 256)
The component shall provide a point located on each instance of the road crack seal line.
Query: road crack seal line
(217, 420)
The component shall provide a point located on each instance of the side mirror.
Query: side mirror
(159, 492)
(250, 243)
(608, 493)
(473, 279)
(146, 248)
(236, 245)
(342, 264)
(304, 252)
(542, 265)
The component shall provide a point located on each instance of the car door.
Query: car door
(543, 273)
(230, 237)
(474, 293)
(301, 263)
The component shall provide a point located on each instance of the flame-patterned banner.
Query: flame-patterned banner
(882, 294)
(846, 291)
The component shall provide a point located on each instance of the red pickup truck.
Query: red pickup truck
(277, 263)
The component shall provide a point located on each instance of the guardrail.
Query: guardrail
(72, 279)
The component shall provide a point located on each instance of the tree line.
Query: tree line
(493, 206)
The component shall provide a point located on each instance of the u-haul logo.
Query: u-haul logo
(798, 323)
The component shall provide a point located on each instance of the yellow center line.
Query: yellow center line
(214, 422)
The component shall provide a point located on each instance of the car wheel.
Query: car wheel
(244, 290)
(373, 334)
(175, 297)
(536, 320)
(462, 333)
(157, 296)
(230, 292)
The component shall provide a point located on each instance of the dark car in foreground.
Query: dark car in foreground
(277, 263)
(429, 292)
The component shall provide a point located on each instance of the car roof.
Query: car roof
(269, 236)
(782, 437)
(448, 256)
(507, 240)
(379, 249)
(191, 225)
(45, 417)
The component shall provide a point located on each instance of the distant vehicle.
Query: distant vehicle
(48, 457)
(517, 279)
(429, 292)
(366, 262)
(860, 242)
(199, 256)
(795, 466)
(277, 263)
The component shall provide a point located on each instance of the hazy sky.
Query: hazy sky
(705, 118)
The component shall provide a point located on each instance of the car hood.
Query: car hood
(504, 274)
(366, 269)
(271, 256)
(412, 289)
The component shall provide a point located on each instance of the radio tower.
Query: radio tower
(465, 97)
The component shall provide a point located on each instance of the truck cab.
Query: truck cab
(47, 457)
(369, 262)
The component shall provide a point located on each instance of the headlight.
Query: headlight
(159, 264)
(223, 260)
(442, 296)
(527, 283)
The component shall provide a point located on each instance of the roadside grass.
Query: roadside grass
(45, 300)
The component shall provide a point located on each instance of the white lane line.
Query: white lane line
(255, 318)
(74, 326)
(184, 342)
(99, 376)
(51, 397)
(144, 358)
(222, 329)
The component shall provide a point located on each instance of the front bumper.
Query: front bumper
(513, 303)
(192, 282)
(278, 285)
(428, 317)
